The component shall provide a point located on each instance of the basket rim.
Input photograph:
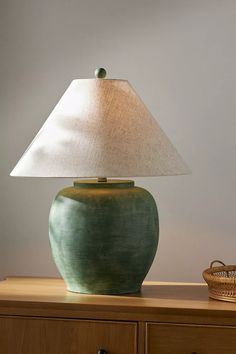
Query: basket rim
(226, 268)
(208, 274)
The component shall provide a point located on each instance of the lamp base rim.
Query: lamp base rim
(106, 292)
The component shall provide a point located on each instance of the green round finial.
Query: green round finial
(100, 73)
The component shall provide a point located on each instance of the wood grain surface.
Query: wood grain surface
(180, 339)
(38, 315)
(52, 336)
(38, 296)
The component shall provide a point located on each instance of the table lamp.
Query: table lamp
(103, 232)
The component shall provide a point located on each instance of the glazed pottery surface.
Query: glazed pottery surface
(103, 236)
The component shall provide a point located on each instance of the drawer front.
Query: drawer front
(59, 336)
(190, 339)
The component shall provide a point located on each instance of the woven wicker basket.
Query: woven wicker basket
(221, 281)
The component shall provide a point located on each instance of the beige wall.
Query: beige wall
(180, 55)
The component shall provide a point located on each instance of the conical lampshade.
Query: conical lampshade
(100, 127)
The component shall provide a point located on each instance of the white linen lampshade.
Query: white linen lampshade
(100, 128)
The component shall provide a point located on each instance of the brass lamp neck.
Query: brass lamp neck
(102, 179)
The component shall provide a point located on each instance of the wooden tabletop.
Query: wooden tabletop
(154, 295)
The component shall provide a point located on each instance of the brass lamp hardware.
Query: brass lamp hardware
(102, 179)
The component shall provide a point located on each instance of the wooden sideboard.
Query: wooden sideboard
(38, 316)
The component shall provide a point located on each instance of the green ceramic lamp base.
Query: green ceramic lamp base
(103, 236)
